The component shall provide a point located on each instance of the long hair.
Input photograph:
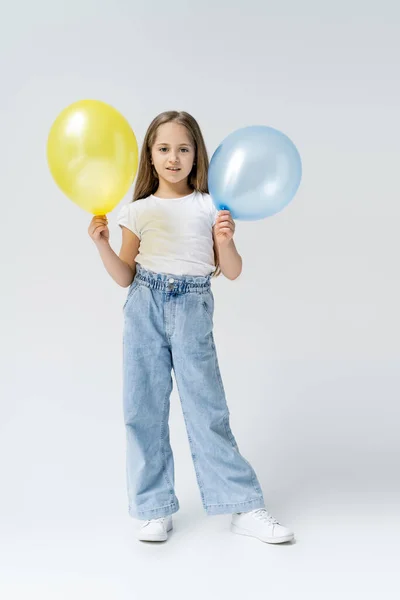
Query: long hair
(147, 178)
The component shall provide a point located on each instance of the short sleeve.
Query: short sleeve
(127, 218)
(213, 210)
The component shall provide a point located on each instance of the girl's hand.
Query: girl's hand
(224, 228)
(98, 229)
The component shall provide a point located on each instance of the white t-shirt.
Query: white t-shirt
(175, 233)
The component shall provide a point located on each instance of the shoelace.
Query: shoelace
(263, 515)
(159, 520)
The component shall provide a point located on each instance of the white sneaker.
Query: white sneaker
(260, 524)
(155, 530)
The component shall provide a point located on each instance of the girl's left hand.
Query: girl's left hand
(224, 228)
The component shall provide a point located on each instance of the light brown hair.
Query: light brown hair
(147, 178)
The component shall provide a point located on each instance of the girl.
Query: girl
(173, 242)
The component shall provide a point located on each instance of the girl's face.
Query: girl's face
(173, 152)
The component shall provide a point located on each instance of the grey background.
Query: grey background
(308, 336)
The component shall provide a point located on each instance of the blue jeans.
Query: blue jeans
(168, 324)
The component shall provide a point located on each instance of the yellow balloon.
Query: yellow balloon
(92, 154)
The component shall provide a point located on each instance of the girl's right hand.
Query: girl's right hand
(98, 229)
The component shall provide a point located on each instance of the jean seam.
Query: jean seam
(195, 464)
(259, 497)
(169, 483)
(174, 504)
(234, 444)
(216, 368)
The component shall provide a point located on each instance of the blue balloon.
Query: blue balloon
(255, 172)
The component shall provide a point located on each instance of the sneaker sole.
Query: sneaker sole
(154, 538)
(269, 540)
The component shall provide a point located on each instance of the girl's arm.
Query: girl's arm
(230, 261)
(121, 268)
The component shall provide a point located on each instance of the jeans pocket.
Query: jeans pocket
(207, 302)
(132, 290)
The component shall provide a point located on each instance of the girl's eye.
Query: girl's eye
(164, 149)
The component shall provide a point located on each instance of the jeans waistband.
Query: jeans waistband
(166, 282)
